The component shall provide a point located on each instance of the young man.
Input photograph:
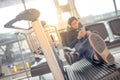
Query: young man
(87, 45)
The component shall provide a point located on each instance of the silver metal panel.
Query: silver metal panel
(48, 52)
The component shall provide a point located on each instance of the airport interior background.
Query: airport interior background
(18, 44)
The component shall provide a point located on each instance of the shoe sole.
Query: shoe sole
(99, 46)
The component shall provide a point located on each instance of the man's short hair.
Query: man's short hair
(70, 20)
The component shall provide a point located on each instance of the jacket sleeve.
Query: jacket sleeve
(72, 44)
(71, 38)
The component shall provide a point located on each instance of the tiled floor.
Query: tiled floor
(44, 77)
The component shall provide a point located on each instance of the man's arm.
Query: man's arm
(71, 38)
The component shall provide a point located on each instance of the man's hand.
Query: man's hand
(81, 34)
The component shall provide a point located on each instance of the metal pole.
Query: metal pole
(115, 6)
(23, 1)
(22, 55)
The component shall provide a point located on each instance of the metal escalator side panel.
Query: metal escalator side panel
(48, 52)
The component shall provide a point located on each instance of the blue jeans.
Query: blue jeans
(86, 51)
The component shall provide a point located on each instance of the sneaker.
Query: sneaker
(71, 58)
(100, 48)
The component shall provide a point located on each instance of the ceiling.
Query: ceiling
(6, 3)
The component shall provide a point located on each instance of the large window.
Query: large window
(94, 10)
(11, 54)
(47, 10)
(10, 8)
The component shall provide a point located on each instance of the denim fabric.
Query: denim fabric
(83, 47)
